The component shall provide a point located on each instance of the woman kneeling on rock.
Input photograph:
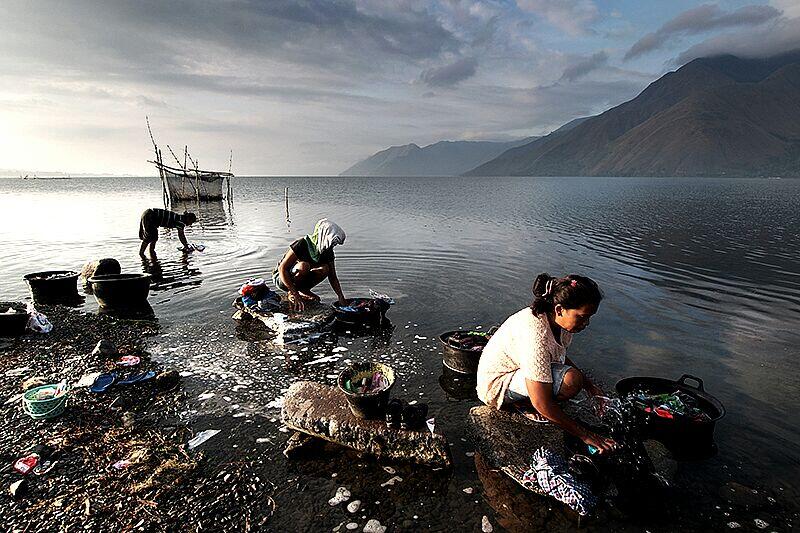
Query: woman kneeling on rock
(525, 363)
(307, 262)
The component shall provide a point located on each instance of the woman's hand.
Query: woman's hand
(296, 301)
(593, 389)
(602, 444)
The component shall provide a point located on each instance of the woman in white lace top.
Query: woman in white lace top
(525, 364)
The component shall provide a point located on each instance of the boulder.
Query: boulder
(322, 411)
(100, 267)
(287, 325)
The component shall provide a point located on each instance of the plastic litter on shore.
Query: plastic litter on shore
(201, 437)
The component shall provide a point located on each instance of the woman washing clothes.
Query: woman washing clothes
(307, 262)
(525, 364)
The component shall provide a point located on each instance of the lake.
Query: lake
(700, 276)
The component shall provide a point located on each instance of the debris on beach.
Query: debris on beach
(342, 495)
(201, 437)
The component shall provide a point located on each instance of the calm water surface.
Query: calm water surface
(700, 277)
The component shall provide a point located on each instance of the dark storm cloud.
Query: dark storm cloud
(701, 19)
(585, 66)
(451, 74)
(144, 38)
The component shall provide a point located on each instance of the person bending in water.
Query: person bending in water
(155, 218)
(307, 262)
(525, 364)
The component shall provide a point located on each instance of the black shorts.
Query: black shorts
(148, 226)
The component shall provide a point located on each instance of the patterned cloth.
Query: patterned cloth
(549, 471)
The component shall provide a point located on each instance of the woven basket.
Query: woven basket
(40, 409)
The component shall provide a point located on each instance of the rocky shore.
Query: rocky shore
(116, 461)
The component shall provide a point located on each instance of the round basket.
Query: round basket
(47, 408)
(368, 404)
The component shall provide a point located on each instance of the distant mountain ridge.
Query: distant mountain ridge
(717, 116)
(444, 158)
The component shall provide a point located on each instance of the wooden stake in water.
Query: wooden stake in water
(286, 200)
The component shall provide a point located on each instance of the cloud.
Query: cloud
(585, 66)
(698, 20)
(782, 35)
(572, 16)
(451, 74)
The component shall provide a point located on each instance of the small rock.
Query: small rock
(468, 490)
(342, 495)
(374, 526)
(36, 381)
(392, 481)
(760, 524)
(105, 348)
(168, 380)
(389, 470)
(734, 525)
(486, 526)
(18, 488)
(354, 506)
(351, 526)
(127, 419)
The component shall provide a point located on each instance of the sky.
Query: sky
(310, 87)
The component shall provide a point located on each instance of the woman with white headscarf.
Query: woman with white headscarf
(307, 262)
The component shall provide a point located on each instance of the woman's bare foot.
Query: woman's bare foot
(308, 295)
(526, 409)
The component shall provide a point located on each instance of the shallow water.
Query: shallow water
(700, 277)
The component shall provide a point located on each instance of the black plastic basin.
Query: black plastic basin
(369, 404)
(121, 291)
(457, 359)
(686, 439)
(372, 312)
(54, 286)
(13, 324)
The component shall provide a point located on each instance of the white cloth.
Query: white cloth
(327, 234)
(524, 342)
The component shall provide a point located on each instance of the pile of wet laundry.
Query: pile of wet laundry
(256, 294)
(358, 305)
(473, 341)
(670, 405)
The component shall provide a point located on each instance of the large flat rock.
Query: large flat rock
(322, 411)
(286, 324)
(507, 440)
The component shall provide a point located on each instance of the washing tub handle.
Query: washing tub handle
(683, 378)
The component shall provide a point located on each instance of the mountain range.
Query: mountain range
(444, 158)
(714, 116)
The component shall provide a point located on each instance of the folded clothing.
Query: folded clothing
(550, 472)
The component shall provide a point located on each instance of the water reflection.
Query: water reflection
(171, 274)
(457, 385)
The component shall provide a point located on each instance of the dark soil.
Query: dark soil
(165, 487)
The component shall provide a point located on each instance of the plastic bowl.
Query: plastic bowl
(121, 291)
(368, 404)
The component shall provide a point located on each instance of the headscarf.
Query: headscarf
(326, 235)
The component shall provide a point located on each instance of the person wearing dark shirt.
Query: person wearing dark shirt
(307, 262)
(155, 218)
